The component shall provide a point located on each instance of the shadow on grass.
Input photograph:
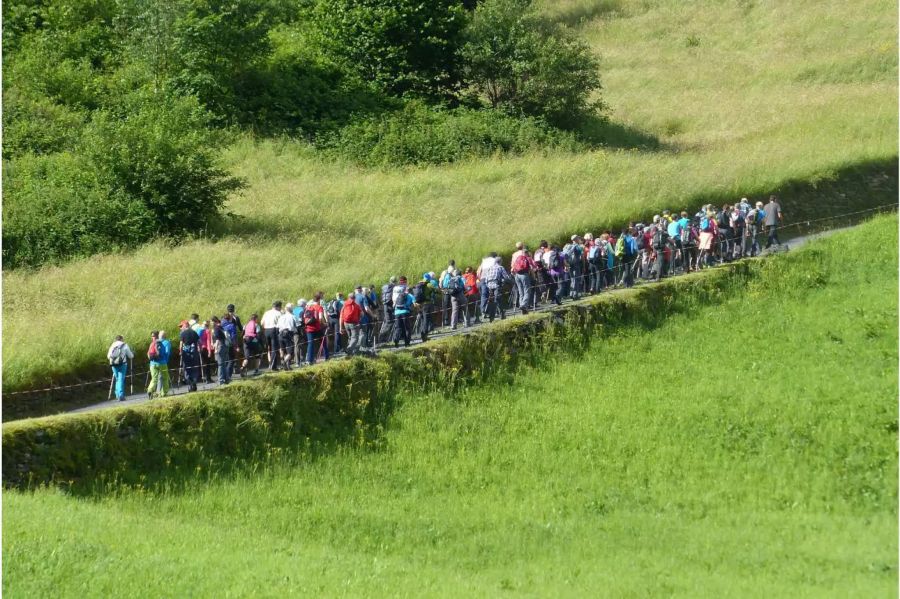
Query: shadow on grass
(600, 132)
(583, 11)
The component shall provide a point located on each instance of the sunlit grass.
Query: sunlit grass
(743, 449)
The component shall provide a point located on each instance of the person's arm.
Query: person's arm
(128, 352)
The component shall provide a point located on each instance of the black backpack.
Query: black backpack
(722, 220)
(309, 318)
(659, 238)
(333, 312)
(419, 293)
(386, 292)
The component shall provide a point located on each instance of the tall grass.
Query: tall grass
(745, 449)
(766, 92)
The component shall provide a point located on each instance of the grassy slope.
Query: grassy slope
(725, 453)
(774, 91)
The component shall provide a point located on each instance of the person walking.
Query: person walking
(314, 325)
(270, 330)
(387, 309)
(189, 348)
(287, 329)
(349, 323)
(333, 317)
(238, 331)
(752, 222)
(627, 252)
(207, 352)
(159, 352)
(773, 218)
(118, 355)
(471, 281)
(403, 306)
(252, 345)
(456, 288)
(221, 347)
(523, 267)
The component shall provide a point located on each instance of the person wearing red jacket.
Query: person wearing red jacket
(349, 320)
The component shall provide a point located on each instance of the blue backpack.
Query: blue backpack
(230, 332)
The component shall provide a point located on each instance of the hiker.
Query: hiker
(471, 281)
(207, 353)
(445, 293)
(522, 267)
(367, 300)
(707, 236)
(773, 218)
(455, 285)
(189, 350)
(118, 355)
(596, 263)
(493, 278)
(222, 349)
(387, 309)
(574, 255)
(231, 341)
(627, 253)
(555, 265)
(314, 325)
(724, 237)
(333, 317)
(287, 329)
(660, 242)
(349, 323)
(238, 327)
(300, 335)
(423, 293)
(252, 346)
(403, 304)
(158, 352)
(736, 220)
(752, 223)
(270, 330)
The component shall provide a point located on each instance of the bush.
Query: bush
(401, 46)
(57, 206)
(419, 134)
(521, 63)
(160, 151)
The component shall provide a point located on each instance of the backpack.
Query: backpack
(639, 241)
(397, 293)
(571, 252)
(685, 234)
(629, 247)
(333, 312)
(419, 292)
(739, 219)
(752, 217)
(387, 294)
(230, 332)
(521, 264)
(554, 260)
(594, 254)
(310, 318)
(722, 219)
(705, 226)
(456, 285)
(155, 350)
(659, 238)
(118, 355)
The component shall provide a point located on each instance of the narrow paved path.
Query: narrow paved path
(141, 397)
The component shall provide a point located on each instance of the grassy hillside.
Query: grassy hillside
(708, 100)
(745, 449)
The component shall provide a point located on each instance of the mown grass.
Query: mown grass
(708, 100)
(748, 448)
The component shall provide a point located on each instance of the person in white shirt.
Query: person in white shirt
(287, 327)
(269, 324)
(118, 355)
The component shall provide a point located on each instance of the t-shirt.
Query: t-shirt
(319, 312)
(219, 335)
(270, 319)
(773, 211)
(674, 228)
(286, 322)
(362, 302)
(251, 330)
(189, 337)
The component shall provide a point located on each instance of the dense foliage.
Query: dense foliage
(123, 101)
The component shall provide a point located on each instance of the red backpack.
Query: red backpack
(521, 264)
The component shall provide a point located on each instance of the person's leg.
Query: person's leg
(482, 290)
(454, 311)
(658, 265)
(119, 375)
(404, 329)
(154, 379)
(165, 380)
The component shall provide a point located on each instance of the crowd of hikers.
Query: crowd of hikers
(301, 333)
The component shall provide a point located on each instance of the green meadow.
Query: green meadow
(746, 448)
(707, 100)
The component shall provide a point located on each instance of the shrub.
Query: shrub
(526, 65)
(402, 46)
(419, 134)
(57, 206)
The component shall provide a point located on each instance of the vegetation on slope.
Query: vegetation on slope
(714, 101)
(708, 456)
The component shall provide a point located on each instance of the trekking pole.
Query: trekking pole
(131, 368)
(112, 380)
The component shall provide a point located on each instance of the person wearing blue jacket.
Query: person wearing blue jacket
(403, 305)
(159, 352)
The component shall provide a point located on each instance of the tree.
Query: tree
(405, 47)
(523, 64)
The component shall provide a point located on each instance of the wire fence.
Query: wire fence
(545, 294)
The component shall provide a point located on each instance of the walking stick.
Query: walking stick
(109, 395)
(131, 368)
